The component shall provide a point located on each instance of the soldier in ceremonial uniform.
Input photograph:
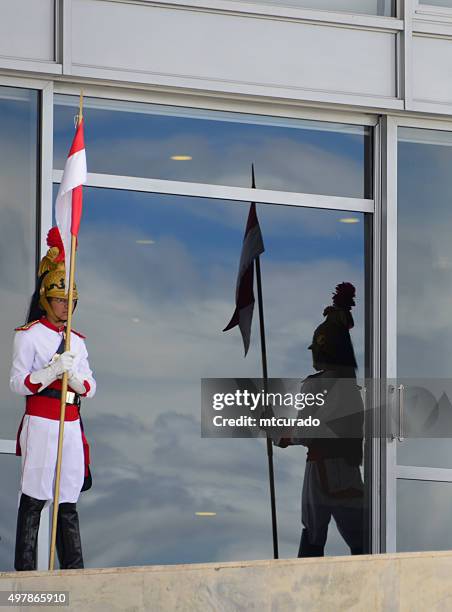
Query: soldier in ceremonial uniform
(332, 485)
(39, 361)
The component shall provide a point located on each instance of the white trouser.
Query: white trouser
(39, 445)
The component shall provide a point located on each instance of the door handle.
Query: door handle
(401, 392)
(401, 405)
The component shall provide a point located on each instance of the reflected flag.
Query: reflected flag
(253, 246)
(68, 205)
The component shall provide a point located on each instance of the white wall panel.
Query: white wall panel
(140, 42)
(27, 30)
(432, 69)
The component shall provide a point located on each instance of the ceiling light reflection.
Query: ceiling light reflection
(349, 220)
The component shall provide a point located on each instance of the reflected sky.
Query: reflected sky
(424, 336)
(419, 502)
(138, 139)
(424, 270)
(18, 199)
(424, 253)
(153, 312)
(371, 7)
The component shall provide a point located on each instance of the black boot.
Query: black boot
(307, 549)
(28, 518)
(68, 543)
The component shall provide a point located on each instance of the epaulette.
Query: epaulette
(26, 326)
(78, 334)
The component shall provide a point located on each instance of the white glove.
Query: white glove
(76, 383)
(62, 363)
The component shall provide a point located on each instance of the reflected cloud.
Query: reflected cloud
(220, 151)
(152, 471)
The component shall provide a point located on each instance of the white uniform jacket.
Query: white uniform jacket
(34, 346)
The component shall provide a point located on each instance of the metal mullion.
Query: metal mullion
(212, 102)
(22, 82)
(375, 471)
(406, 66)
(444, 125)
(46, 183)
(389, 324)
(433, 474)
(8, 447)
(221, 192)
(45, 222)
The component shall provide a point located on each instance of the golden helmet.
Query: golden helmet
(52, 272)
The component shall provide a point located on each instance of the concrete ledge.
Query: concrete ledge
(413, 582)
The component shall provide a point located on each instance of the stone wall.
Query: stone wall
(411, 582)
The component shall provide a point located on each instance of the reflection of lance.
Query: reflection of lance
(252, 247)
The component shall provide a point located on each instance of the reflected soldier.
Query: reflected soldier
(333, 485)
(39, 361)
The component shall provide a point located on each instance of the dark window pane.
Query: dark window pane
(156, 277)
(137, 139)
(18, 200)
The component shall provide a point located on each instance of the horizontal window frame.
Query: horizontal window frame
(432, 474)
(225, 103)
(223, 192)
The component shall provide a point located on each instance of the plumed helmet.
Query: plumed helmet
(331, 343)
(52, 272)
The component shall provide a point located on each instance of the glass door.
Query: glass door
(419, 385)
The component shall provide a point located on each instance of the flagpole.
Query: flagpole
(64, 386)
(271, 473)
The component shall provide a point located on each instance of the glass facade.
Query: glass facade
(178, 144)
(18, 213)
(424, 339)
(156, 276)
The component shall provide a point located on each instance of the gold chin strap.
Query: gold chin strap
(45, 305)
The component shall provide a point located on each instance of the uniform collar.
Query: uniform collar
(50, 325)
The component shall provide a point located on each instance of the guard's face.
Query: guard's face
(60, 308)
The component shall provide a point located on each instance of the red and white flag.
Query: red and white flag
(68, 205)
(253, 246)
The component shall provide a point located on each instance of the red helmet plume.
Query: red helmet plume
(344, 296)
(54, 240)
